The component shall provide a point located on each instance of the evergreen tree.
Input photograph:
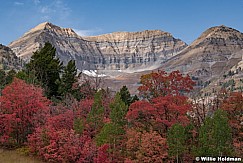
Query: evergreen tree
(6, 78)
(118, 111)
(78, 125)
(46, 68)
(10, 75)
(221, 134)
(176, 141)
(108, 134)
(2, 78)
(29, 78)
(134, 98)
(204, 147)
(96, 115)
(126, 96)
(68, 78)
(113, 130)
(215, 136)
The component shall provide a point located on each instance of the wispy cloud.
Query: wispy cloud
(46, 10)
(45, 18)
(18, 3)
(87, 32)
(36, 2)
(56, 10)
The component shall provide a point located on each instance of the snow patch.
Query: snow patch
(93, 73)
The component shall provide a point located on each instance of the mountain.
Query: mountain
(210, 53)
(125, 56)
(114, 51)
(209, 60)
(8, 60)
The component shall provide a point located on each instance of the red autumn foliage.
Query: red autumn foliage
(102, 154)
(83, 108)
(57, 140)
(141, 114)
(23, 108)
(233, 105)
(160, 83)
(145, 146)
(160, 114)
(65, 135)
(61, 121)
(61, 146)
(172, 109)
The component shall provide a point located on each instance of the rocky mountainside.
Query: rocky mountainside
(115, 51)
(8, 60)
(212, 59)
(211, 56)
(210, 53)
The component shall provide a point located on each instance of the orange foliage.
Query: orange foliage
(146, 146)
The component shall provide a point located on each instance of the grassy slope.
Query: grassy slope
(7, 156)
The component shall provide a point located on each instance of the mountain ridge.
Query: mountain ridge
(208, 58)
(104, 52)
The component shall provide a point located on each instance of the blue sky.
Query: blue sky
(184, 19)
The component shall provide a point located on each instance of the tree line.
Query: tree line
(47, 112)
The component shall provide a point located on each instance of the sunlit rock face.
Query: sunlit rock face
(114, 51)
(212, 54)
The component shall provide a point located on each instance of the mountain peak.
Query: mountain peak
(53, 28)
(218, 32)
(223, 28)
(43, 26)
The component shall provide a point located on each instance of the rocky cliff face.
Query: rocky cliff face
(216, 52)
(8, 60)
(119, 50)
(211, 54)
(209, 59)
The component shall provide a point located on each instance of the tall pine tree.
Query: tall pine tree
(176, 140)
(96, 115)
(46, 67)
(215, 137)
(221, 134)
(113, 131)
(126, 96)
(68, 78)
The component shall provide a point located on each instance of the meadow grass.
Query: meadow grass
(13, 156)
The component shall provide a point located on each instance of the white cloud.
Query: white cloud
(36, 2)
(55, 10)
(46, 10)
(62, 10)
(18, 3)
(87, 32)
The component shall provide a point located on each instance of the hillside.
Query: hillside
(8, 60)
(207, 60)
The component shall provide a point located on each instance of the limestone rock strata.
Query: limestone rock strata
(211, 55)
(119, 50)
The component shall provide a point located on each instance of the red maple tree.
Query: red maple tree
(233, 105)
(23, 108)
(161, 83)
